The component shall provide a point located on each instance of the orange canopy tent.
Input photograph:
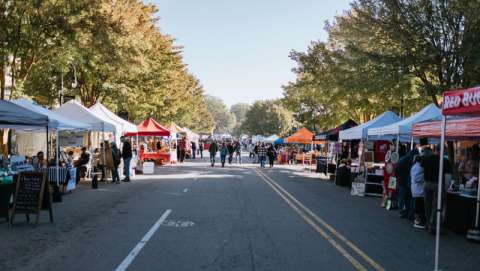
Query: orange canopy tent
(302, 136)
(150, 127)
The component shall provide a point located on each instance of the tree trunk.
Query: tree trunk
(2, 79)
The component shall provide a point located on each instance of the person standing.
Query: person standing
(127, 158)
(402, 173)
(262, 155)
(201, 147)
(271, 153)
(417, 187)
(223, 154)
(431, 164)
(183, 149)
(117, 158)
(108, 158)
(81, 164)
(213, 149)
(194, 150)
(255, 153)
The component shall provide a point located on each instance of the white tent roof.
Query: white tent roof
(258, 138)
(191, 135)
(18, 117)
(76, 111)
(55, 120)
(403, 128)
(122, 125)
(360, 131)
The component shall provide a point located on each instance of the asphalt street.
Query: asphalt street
(195, 217)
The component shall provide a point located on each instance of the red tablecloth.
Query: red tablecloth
(156, 156)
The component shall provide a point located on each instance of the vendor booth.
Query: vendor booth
(152, 147)
(304, 141)
(328, 158)
(460, 122)
(367, 166)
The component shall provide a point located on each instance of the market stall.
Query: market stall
(460, 121)
(13, 116)
(304, 138)
(328, 158)
(152, 148)
(367, 166)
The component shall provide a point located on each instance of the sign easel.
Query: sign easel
(32, 196)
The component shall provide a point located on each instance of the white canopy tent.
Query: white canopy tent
(402, 130)
(55, 120)
(74, 110)
(126, 127)
(360, 132)
(121, 126)
(191, 135)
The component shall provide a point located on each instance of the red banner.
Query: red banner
(461, 101)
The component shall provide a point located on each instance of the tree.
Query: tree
(240, 111)
(268, 118)
(224, 120)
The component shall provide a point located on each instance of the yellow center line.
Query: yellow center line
(325, 235)
(357, 250)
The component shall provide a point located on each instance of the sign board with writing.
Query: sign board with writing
(31, 195)
(461, 101)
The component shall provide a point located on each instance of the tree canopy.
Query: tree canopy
(224, 120)
(239, 110)
(108, 51)
(268, 118)
(385, 55)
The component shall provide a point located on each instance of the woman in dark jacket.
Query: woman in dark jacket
(271, 153)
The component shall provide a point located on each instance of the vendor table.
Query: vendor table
(52, 175)
(162, 157)
(460, 212)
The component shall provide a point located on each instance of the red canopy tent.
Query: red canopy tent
(464, 102)
(150, 127)
(455, 128)
(302, 136)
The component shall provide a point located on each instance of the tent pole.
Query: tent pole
(411, 143)
(398, 143)
(103, 151)
(440, 188)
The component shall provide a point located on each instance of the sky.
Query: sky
(239, 49)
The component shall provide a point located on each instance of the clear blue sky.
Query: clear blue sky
(239, 48)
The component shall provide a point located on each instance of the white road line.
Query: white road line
(185, 190)
(136, 250)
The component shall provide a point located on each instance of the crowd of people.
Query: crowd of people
(417, 174)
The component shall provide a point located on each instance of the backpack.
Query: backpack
(117, 156)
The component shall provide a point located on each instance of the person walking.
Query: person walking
(231, 151)
(108, 158)
(238, 153)
(117, 158)
(201, 147)
(402, 173)
(194, 150)
(223, 154)
(262, 155)
(213, 149)
(271, 153)
(127, 158)
(255, 153)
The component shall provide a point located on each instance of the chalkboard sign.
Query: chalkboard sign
(32, 195)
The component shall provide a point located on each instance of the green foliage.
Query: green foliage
(386, 55)
(267, 118)
(114, 50)
(240, 111)
(224, 120)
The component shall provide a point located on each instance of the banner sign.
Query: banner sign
(461, 101)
